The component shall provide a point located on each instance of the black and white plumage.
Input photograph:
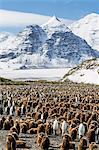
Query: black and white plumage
(81, 130)
(64, 127)
(55, 126)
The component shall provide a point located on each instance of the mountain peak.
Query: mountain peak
(92, 15)
(52, 22)
(54, 18)
(54, 25)
(88, 29)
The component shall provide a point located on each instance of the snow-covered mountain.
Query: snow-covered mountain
(4, 36)
(53, 25)
(87, 72)
(53, 45)
(5, 40)
(66, 49)
(88, 29)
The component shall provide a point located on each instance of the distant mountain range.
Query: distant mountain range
(51, 45)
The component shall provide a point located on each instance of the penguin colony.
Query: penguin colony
(49, 111)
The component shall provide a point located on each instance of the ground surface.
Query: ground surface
(55, 140)
(33, 74)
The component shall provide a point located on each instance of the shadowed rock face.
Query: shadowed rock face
(68, 46)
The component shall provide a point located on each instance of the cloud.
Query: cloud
(13, 18)
(19, 19)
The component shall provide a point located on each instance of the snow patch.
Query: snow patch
(86, 76)
(32, 74)
(87, 72)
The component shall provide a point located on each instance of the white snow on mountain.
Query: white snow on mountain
(64, 46)
(54, 25)
(87, 72)
(50, 46)
(5, 40)
(88, 29)
(28, 40)
(4, 36)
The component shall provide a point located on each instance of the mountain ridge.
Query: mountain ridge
(52, 45)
